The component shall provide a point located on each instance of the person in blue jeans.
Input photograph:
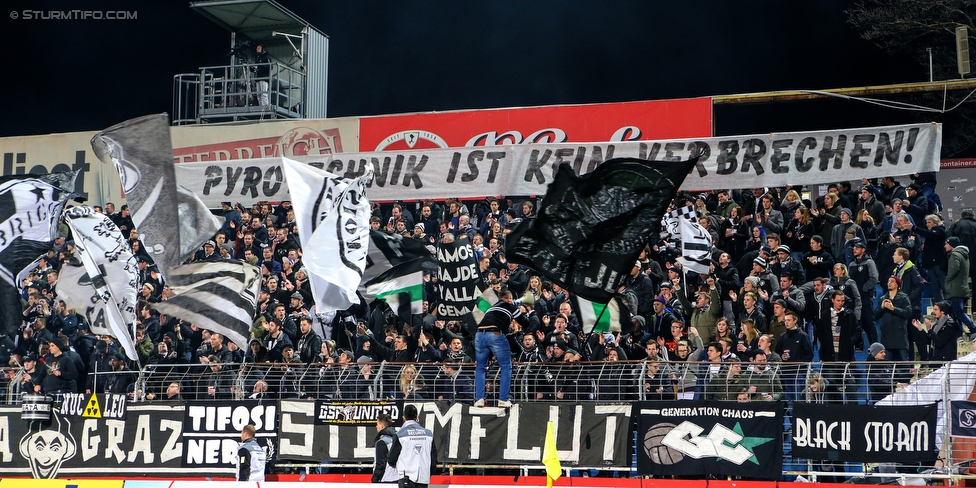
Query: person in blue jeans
(492, 339)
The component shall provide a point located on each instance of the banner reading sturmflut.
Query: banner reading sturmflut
(710, 438)
(588, 434)
(865, 434)
(776, 159)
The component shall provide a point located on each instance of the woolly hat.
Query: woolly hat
(875, 348)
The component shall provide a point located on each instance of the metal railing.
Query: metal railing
(235, 92)
(855, 383)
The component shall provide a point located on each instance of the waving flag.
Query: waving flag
(333, 217)
(402, 287)
(141, 151)
(30, 207)
(220, 296)
(112, 270)
(696, 242)
(590, 229)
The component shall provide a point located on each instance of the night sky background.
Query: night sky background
(415, 56)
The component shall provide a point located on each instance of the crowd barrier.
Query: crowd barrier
(607, 413)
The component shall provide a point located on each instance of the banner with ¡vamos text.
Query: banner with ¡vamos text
(777, 159)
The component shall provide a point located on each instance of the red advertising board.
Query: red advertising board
(602, 122)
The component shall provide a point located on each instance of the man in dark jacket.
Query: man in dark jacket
(385, 432)
(965, 230)
(933, 256)
(911, 285)
(941, 330)
(864, 272)
(62, 374)
(957, 282)
(836, 327)
(894, 312)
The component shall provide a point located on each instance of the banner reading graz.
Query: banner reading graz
(148, 442)
(797, 158)
(865, 434)
(586, 434)
(698, 438)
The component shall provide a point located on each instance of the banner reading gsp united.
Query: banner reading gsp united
(796, 158)
(710, 438)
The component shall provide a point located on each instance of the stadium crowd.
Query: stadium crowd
(792, 281)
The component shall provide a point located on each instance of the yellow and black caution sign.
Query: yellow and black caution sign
(93, 410)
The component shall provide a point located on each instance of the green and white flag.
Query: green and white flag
(402, 287)
(487, 298)
(599, 317)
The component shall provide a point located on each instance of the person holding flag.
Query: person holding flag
(492, 339)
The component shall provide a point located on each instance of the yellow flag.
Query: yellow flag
(550, 458)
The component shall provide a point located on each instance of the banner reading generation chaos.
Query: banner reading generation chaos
(777, 159)
(865, 434)
(698, 438)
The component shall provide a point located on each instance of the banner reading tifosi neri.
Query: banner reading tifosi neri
(796, 158)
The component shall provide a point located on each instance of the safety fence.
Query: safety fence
(828, 414)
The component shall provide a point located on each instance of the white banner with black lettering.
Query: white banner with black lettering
(759, 160)
(865, 434)
(586, 434)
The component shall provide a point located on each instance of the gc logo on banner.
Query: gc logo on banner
(964, 418)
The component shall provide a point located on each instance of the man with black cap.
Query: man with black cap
(99, 368)
(122, 378)
(864, 272)
(62, 374)
(785, 264)
(957, 281)
(295, 305)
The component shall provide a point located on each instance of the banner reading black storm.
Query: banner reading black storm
(148, 442)
(710, 438)
(586, 434)
(865, 434)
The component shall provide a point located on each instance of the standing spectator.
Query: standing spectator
(768, 217)
(894, 313)
(795, 348)
(933, 256)
(864, 272)
(965, 230)
(491, 338)
(941, 330)
(957, 281)
(62, 374)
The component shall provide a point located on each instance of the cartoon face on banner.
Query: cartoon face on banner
(47, 448)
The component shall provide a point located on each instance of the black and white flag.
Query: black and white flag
(591, 228)
(30, 207)
(172, 222)
(220, 296)
(112, 270)
(76, 289)
(696, 242)
(333, 215)
(388, 250)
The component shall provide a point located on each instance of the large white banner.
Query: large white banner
(727, 162)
